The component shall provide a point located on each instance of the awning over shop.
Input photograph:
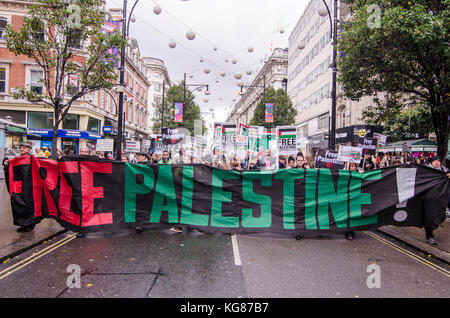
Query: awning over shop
(418, 145)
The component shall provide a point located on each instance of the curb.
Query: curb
(28, 247)
(432, 251)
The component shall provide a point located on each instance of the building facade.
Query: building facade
(87, 117)
(274, 74)
(310, 82)
(160, 82)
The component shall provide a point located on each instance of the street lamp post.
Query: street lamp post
(333, 26)
(198, 86)
(125, 33)
(264, 93)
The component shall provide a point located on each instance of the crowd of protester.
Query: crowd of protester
(264, 160)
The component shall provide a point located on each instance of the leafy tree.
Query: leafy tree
(399, 49)
(283, 111)
(52, 34)
(191, 111)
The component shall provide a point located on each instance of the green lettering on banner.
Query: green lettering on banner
(310, 199)
(264, 201)
(186, 201)
(357, 198)
(219, 196)
(327, 197)
(289, 176)
(164, 191)
(133, 187)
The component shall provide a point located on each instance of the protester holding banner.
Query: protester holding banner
(5, 164)
(165, 158)
(268, 161)
(291, 163)
(299, 161)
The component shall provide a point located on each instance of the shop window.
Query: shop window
(71, 122)
(93, 125)
(40, 120)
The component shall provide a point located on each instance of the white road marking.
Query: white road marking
(237, 257)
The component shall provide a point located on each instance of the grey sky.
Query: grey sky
(230, 25)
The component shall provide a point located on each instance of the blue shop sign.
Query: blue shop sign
(40, 132)
(107, 129)
(67, 133)
(91, 135)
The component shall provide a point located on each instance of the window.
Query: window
(3, 24)
(71, 121)
(2, 80)
(36, 82)
(93, 125)
(40, 120)
(73, 86)
(323, 121)
(74, 41)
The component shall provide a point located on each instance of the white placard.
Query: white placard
(104, 145)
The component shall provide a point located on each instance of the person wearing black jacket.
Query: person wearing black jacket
(5, 164)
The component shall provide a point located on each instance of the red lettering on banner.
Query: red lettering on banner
(49, 184)
(16, 186)
(65, 192)
(89, 193)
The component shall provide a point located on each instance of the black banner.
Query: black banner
(99, 195)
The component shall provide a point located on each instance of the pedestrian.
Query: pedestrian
(165, 158)
(308, 163)
(142, 158)
(38, 153)
(282, 162)
(5, 164)
(291, 162)
(155, 157)
(268, 161)
(25, 150)
(300, 160)
(125, 158)
(350, 235)
(84, 151)
(435, 164)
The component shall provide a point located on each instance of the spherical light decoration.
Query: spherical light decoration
(191, 76)
(217, 81)
(156, 10)
(206, 99)
(226, 61)
(223, 74)
(323, 12)
(238, 76)
(240, 84)
(234, 99)
(133, 19)
(215, 48)
(234, 61)
(250, 49)
(301, 45)
(281, 30)
(190, 35)
(172, 44)
(201, 60)
(249, 72)
(207, 70)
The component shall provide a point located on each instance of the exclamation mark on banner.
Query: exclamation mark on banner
(406, 181)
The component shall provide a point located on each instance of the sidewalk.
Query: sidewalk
(13, 243)
(415, 237)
